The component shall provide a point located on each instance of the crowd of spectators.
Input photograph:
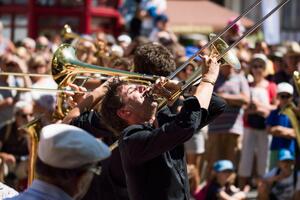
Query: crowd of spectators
(252, 145)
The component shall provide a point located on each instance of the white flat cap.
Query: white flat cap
(68, 147)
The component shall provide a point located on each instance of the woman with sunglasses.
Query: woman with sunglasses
(279, 124)
(255, 138)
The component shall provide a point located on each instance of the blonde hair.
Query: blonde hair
(37, 60)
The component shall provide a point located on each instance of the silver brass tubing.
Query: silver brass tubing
(180, 68)
(253, 28)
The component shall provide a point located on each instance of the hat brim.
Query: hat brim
(225, 169)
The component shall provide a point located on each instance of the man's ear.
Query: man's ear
(123, 113)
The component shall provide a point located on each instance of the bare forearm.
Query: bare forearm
(203, 94)
(282, 132)
(263, 111)
(87, 104)
(236, 99)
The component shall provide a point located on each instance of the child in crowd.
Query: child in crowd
(282, 182)
(279, 124)
(222, 184)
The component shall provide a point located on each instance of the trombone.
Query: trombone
(221, 48)
(65, 65)
(25, 89)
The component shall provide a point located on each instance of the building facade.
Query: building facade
(22, 18)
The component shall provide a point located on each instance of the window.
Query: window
(103, 23)
(15, 26)
(105, 3)
(290, 16)
(20, 31)
(10, 2)
(55, 23)
(5, 2)
(63, 3)
(21, 2)
(6, 21)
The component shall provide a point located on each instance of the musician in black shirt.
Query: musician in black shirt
(150, 143)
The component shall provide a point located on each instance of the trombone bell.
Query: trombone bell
(220, 46)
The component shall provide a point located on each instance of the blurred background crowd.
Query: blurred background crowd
(253, 145)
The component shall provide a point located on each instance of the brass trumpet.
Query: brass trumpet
(32, 128)
(68, 34)
(296, 78)
(292, 111)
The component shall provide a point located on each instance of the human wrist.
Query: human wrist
(208, 79)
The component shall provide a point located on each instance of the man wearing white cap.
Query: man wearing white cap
(67, 160)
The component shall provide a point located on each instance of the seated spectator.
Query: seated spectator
(14, 146)
(221, 186)
(282, 182)
(279, 125)
(11, 63)
(66, 163)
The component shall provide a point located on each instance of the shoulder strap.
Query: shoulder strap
(295, 178)
(277, 173)
(7, 132)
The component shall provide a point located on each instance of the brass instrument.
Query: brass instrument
(32, 128)
(65, 68)
(26, 89)
(296, 78)
(68, 34)
(292, 111)
(222, 49)
(101, 51)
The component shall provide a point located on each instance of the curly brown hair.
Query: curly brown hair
(153, 59)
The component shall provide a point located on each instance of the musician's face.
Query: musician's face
(140, 108)
(24, 115)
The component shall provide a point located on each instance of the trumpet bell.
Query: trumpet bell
(67, 32)
(61, 58)
(220, 46)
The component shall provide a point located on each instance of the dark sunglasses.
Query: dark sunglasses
(285, 96)
(257, 66)
(24, 115)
